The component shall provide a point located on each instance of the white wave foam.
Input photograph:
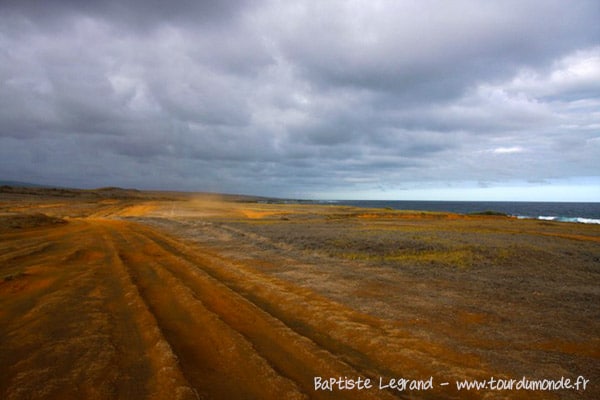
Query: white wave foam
(588, 220)
(580, 220)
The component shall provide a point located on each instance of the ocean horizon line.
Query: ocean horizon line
(580, 212)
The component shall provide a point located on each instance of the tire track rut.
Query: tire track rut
(226, 345)
(115, 309)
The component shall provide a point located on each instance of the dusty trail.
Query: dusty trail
(227, 344)
(73, 325)
(109, 309)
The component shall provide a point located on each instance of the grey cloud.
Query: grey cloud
(129, 15)
(431, 50)
(296, 97)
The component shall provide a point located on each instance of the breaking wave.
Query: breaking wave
(580, 220)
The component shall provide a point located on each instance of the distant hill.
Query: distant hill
(103, 193)
(27, 188)
(12, 188)
(22, 184)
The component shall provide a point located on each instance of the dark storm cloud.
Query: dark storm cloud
(140, 15)
(298, 98)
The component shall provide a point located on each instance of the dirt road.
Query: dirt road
(111, 309)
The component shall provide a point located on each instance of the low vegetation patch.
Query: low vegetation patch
(490, 212)
(23, 221)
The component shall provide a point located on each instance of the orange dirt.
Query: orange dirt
(116, 310)
(100, 305)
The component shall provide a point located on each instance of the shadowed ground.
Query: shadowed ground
(125, 294)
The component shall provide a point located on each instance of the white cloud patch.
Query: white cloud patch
(508, 150)
(577, 73)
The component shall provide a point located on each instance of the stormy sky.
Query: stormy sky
(495, 100)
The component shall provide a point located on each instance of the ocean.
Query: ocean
(553, 211)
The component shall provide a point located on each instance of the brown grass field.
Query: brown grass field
(121, 294)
